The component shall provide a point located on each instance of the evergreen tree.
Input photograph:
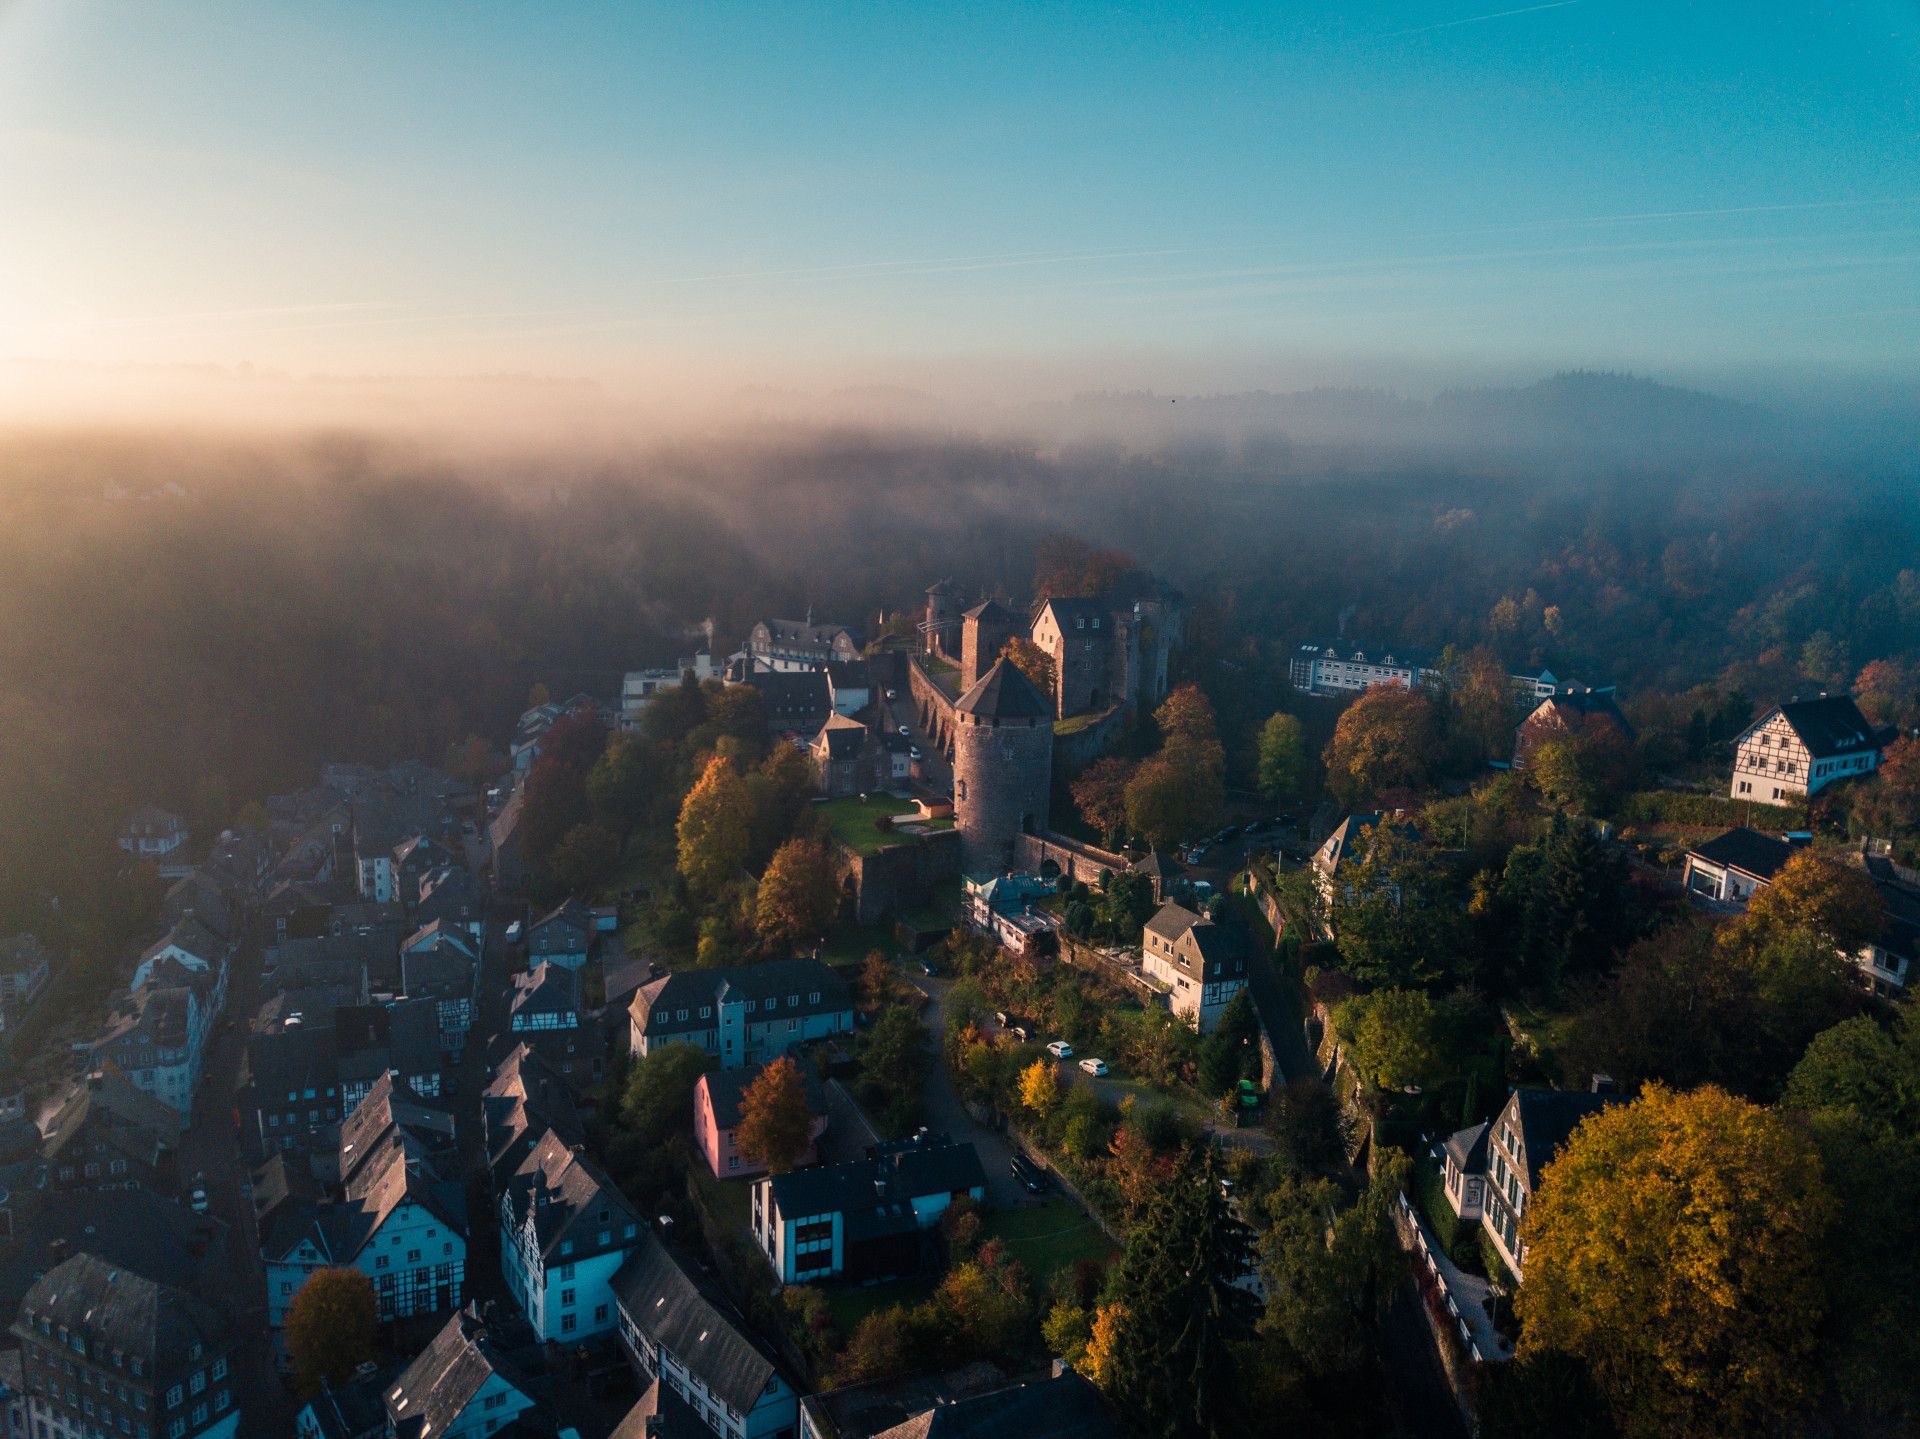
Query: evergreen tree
(1176, 1311)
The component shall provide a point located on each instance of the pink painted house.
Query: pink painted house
(716, 1119)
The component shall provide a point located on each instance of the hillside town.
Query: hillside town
(838, 1037)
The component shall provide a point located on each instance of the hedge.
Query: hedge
(1665, 806)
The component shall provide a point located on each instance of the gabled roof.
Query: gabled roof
(1171, 921)
(570, 913)
(1827, 725)
(686, 1315)
(1468, 1147)
(434, 1390)
(567, 1193)
(1547, 1120)
(1577, 709)
(1067, 608)
(126, 1112)
(1004, 693)
(1749, 851)
(843, 738)
(688, 989)
(130, 1228)
(990, 612)
(547, 988)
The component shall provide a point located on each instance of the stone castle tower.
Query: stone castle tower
(1002, 766)
(941, 627)
(984, 632)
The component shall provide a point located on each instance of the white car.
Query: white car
(905, 733)
(1060, 1049)
(1096, 1067)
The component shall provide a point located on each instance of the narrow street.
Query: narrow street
(947, 1115)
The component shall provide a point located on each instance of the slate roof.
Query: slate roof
(1068, 608)
(991, 611)
(1064, 1408)
(727, 1087)
(136, 1120)
(688, 989)
(844, 738)
(352, 1408)
(130, 1228)
(875, 1194)
(1828, 725)
(1576, 709)
(375, 1038)
(1171, 921)
(433, 1391)
(1548, 1118)
(577, 1193)
(1004, 693)
(571, 913)
(547, 988)
(1409, 655)
(659, 1413)
(526, 1099)
(117, 1308)
(1749, 851)
(1468, 1147)
(685, 1314)
(794, 699)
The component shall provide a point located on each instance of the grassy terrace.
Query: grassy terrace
(852, 820)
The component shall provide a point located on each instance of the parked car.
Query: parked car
(913, 752)
(999, 1018)
(197, 1196)
(1196, 854)
(893, 694)
(513, 932)
(1249, 1094)
(1060, 1049)
(1031, 1176)
(1255, 827)
(905, 733)
(1019, 1032)
(929, 968)
(1096, 1067)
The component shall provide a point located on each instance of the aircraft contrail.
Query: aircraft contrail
(1476, 19)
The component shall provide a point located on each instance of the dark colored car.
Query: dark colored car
(1032, 1178)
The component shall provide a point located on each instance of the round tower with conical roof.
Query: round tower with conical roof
(1002, 766)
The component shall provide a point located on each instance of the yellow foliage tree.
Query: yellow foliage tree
(797, 898)
(716, 827)
(1040, 1086)
(1817, 892)
(1108, 1321)
(1674, 1246)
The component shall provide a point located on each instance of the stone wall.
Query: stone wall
(1077, 861)
(887, 881)
(932, 706)
(1082, 747)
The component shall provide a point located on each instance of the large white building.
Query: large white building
(1332, 667)
(745, 1014)
(1797, 749)
(565, 1230)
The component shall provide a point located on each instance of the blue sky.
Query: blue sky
(1066, 194)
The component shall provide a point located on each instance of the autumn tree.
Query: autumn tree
(1888, 802)
(330, 1327)
(1674, 1247)
(1395, 911)
(584, 859)
(715, 827)
(1065, 565)
(1387, 737)
(1282, 758)
(1815, 892)
(776, 1122)
(1032, 661)
(797, 898)
(1040, 1087)
(1100, 795)
(1174, 1311)
(1481, 710)
(1584, 772)
(1181, 789)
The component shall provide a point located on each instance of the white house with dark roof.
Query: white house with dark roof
(682, 1334)
(1200, 965)
(545, 998)
(1728, 868)
(398, 1216)
(1336, 667)
(865, 1219)
(152, 833)
(1492, 1170)
(789, 646)
(741, 1014)
(481, 1373)
(565, 1230)
(1797, 749)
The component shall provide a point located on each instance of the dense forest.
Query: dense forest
(198, 621)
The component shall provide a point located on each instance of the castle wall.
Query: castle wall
(932, 705)
(1076, 751)
(890, 881)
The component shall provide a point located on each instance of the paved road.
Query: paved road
(213, 1146)
(946, 1114)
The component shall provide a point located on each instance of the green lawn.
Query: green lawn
(730, 1201)
(849, 1304)
(1049, 1237)
(852, 820)
(853, 944)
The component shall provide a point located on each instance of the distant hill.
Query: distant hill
(1610, 411)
